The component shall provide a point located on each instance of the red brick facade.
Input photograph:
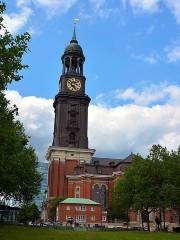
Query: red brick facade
(81, 214)
(57, 181)
(62, 182)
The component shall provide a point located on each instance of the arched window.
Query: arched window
(95, 193)
(77, 192)
(99, 194)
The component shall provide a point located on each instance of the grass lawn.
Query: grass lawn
(32, 233)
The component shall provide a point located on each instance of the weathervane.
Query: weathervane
(75, 21)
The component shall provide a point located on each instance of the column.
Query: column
(70, 64)
(63, 72)
(78, 65)
(81, 69)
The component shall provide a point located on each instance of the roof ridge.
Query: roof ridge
(85, 201)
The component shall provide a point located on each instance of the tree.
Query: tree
(121, 200)
(157, 156)
(19, 177)
(28, 213)
(143, 192)
(151, 184)
(12, 50)
(143, 182)
(171, 186)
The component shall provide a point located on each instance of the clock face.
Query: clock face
(73, 84)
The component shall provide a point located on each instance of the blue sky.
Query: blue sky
(132, 50)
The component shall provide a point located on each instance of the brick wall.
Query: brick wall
(57, 184)
(92, 214)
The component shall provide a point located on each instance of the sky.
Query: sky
(132, 50)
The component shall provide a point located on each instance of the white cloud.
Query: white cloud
(93, 9)
(56, 6)
(21, 3)
(100, 8)
(151, 95)
(133, 128)
(150, 59)
(153, 6)
(52, 7)
(174, 6)
(15, 21)
(37, 116)
(113, 131)
(173, 54)
(144, 5)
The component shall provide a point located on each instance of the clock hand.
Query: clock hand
(73, 84)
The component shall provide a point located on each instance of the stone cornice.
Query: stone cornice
(89, 175)
(65, 153)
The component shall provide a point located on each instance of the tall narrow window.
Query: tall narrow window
(72, 138)
(103, 196)
(96, 193)
(77, 192)
(99, 194)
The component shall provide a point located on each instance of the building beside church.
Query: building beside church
(81, 211)
(73, 170)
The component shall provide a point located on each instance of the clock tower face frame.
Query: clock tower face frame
(74, 84)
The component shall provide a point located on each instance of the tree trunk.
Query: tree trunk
(142, 221)
(160, 217)
(148, 225)
(178, 210)
(164, 219)
(127, 216)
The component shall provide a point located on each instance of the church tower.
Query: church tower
(70, 139)
(71, 103)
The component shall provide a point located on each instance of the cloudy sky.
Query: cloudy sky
(132, 50)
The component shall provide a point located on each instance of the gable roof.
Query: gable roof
(93, 169)
(84, 201)
(103, 166)
(112, 161)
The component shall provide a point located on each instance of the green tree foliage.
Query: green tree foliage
(151, 183)
(171, 185)
(19, 177)
(52, 207)
(121, 201)
(12, 50)
(28, 213)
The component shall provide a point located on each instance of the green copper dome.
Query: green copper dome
(73, 47)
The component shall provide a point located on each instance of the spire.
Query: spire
(74, 40)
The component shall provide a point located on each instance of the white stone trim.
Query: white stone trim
(89, 175)
(63, 154)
